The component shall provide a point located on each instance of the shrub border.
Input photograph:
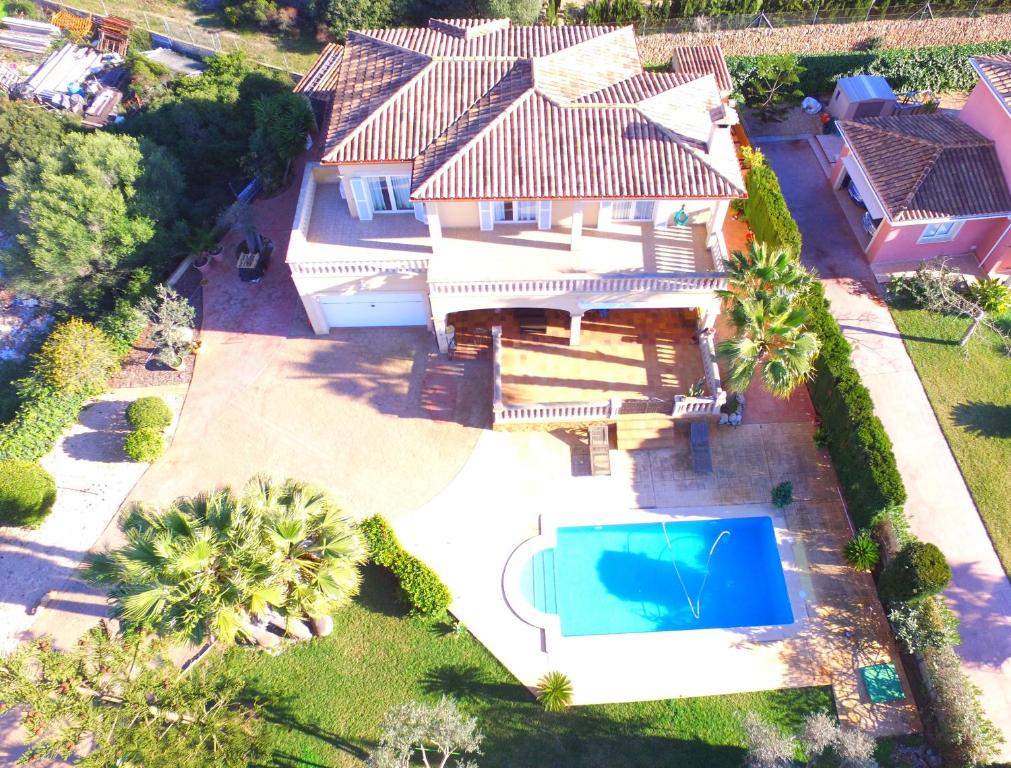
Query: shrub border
(422, 588)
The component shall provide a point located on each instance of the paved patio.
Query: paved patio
(940, 507)
(621, 354)
(519, 476)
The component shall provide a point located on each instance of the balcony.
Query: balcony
(326, 240)
(628, 263)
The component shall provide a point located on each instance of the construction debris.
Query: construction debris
(78, 79)
(25, 35)
(78, 27)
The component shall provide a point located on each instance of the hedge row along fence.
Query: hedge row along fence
(422, 588)
(655, 47)
(944, 68)
(860, 448)
(874, 491)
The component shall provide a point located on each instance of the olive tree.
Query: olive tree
(427, 734)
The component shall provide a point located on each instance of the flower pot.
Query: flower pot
(217, 253)
(203, 264)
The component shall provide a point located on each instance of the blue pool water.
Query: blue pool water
(617, 579)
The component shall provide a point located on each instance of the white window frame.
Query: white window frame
(388, 192)
(508, 211)
(636, 213)
(940, 232)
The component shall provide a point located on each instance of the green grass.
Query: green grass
(326, 699)
(970, 391)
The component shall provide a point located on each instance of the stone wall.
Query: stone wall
(825, 38)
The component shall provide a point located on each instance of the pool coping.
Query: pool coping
(790, 549)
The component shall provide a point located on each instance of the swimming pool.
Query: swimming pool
(655, 577)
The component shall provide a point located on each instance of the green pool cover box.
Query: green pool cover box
(882, 683)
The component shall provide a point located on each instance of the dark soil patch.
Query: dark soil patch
(140, 369)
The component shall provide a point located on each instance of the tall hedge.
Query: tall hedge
(860, 448)
(766, 209)
(944, 68)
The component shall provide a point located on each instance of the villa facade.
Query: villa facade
(937, 185)
(530, 187)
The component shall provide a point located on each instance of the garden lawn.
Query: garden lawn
(325, 699)
(970, 391)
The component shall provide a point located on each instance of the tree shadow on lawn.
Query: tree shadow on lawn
(983, 419)
(470, 684)
(588, 737)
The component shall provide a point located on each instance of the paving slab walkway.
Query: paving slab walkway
(940, 508)
(93, 477)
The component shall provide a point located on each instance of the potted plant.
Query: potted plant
(172, 319)
(253, 251)
(201, 244)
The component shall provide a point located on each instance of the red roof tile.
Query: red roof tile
(929, 166)
(997, 71)
(703, 59)
(486, 110)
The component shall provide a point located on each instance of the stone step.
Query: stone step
(649, 431)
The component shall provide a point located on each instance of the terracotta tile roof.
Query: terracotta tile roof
(321, 79)
(703, 59)
(929, 166)
(486, 110)
(997, 71)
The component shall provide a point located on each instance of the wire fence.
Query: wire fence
(181, 36)
(818, 15)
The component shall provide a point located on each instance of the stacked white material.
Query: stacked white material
(61, 78)
(26, 35)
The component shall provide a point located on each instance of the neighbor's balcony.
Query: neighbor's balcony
(625, 262)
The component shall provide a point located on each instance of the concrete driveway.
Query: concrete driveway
(374, 415)
(940, 507)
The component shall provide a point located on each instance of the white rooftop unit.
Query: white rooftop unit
(861, 96)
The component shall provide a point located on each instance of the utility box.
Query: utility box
(861, 96)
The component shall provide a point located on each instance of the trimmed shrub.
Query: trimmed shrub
(27, 493)
(44, 415)
(766, 209)
(150, 412)
(861, 450)
(782, 495)
(145, 444)
(925, 625)
(862, 552)
(918, 571)
(422, 588)
(76, 358)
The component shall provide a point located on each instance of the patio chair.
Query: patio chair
(600, 451)
(702, 455)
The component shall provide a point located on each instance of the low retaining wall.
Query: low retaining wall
(833, 38)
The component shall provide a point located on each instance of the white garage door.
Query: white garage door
(365, 310)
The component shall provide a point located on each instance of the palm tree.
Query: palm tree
(762, 272)
(209, 565)
(771, 336)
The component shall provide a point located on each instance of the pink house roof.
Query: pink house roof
(484, 110)
(929, 166)
(997, 71)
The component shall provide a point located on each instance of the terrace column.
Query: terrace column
(575, 327)
(439, 326)
(576, 230)
(434, 225)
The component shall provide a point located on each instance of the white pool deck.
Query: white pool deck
(514, 481)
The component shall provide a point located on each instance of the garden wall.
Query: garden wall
(825, 38)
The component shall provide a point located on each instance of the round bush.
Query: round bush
(144, 444)
(919, 570)
(27, 493)
(149, 412)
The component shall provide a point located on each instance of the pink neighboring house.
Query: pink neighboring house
(936, 185)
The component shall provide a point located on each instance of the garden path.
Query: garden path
(940, 507)
(93, 477)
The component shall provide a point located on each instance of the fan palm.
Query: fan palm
(207, 565)
(762, 272)
(771, 336)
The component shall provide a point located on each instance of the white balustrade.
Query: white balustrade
(698, 282)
